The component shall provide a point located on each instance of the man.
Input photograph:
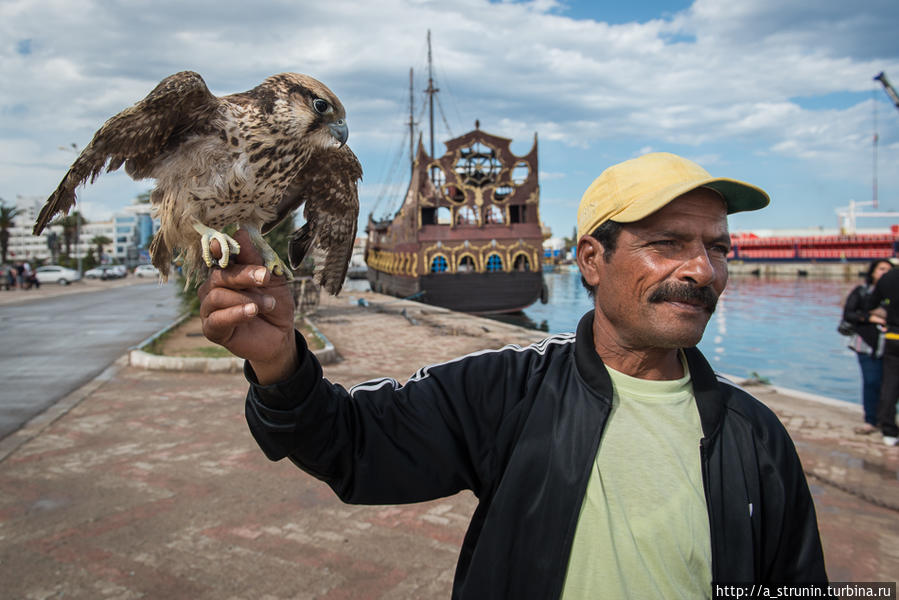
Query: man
(886, 294)
(610, 463)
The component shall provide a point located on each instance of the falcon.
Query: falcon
(248, 159)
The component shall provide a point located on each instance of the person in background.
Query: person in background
(20, 275)
(33, 281)
(28, 275)
(10, 277)
(867, 342)
(886, 294)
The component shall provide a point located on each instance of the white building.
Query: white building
(130, 231)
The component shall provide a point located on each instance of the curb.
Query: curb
(140, 359)
(154, 362)
(328, 354)
(834, 402)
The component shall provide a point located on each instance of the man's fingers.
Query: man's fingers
(234, 277)
(215, 249)
(219, 299)
(238, 277)
(219, 326)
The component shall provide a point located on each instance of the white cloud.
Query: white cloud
(723, 81)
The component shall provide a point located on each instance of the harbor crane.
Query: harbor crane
(847, 215)
(882, 78)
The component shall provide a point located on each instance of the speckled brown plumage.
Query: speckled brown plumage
(248, 159)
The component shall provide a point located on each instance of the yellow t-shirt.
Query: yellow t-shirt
(643, 530)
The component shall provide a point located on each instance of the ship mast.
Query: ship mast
(430, 92)
(411, 124)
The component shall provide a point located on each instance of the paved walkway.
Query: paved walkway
(148, 485)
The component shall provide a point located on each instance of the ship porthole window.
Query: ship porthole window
(438, 265)
(495, 214)
(494, 263)
(521, 263)
(502, 192)
(466, 265)
(520, 173)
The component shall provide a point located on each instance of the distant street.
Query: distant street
(51, 346)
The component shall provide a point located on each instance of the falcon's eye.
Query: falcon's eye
(321, 106)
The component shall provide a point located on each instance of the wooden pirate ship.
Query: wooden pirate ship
(467, 236)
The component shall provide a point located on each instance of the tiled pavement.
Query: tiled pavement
(150, 486)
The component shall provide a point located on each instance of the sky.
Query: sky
(779, 93)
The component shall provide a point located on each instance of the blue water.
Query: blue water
(782, 329)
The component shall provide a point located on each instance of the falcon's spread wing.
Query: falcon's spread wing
(328, 184)
(136, 136)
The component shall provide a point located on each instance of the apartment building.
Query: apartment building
(129, 229)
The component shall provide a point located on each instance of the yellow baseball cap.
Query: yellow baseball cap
(636, 188)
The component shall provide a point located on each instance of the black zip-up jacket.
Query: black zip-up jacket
(520, 427)
(856, 309)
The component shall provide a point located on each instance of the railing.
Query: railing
(306, 294)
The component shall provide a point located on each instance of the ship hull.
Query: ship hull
(478, 293)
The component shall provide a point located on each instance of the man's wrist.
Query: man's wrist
(275, 371)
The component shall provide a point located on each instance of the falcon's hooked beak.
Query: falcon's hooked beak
(340, 131)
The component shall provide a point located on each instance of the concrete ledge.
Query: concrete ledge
(776, 389)
(137, 357)
(155, 362)
(833, 270)
(327, 354)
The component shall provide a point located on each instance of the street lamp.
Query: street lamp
(73, 147)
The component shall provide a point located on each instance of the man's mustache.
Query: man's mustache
(673, 292)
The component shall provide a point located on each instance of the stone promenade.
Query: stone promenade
(147, 484)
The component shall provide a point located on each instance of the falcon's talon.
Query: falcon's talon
(228, 245)
(277, 267)
(270, 258)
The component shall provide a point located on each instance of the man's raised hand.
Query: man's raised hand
(249, 311)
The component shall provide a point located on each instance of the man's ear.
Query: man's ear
(589, 253)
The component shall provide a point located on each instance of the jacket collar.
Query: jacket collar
(706, 391)
(589, 365)
(705, 383)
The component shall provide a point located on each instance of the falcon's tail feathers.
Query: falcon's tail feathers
(161, 255)
(299, 244)
(331, 261)
(333, 273)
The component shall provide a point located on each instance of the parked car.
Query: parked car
(95, 273)
(106, 272)
(56, 274)
(146, 271)
(119, 270)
